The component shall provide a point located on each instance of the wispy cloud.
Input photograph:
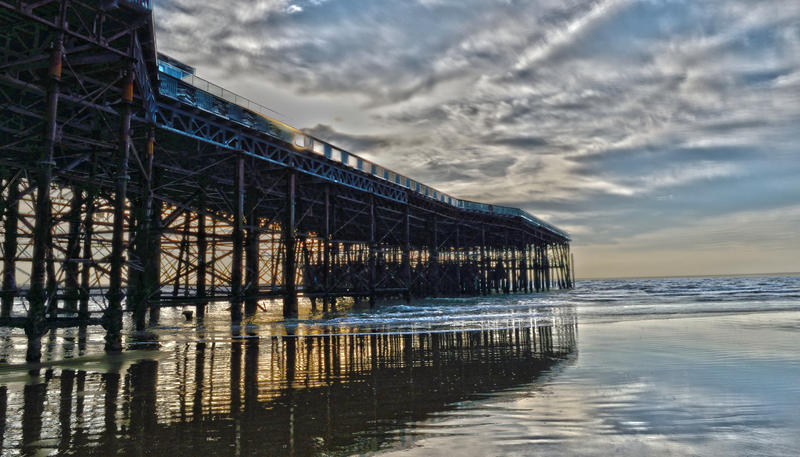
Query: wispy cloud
(653, 111)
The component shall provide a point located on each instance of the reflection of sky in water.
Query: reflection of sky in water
(668, 367)
(708, 385)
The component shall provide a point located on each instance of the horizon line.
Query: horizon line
(710, 275)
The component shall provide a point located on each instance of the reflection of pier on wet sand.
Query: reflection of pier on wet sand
(337, 392)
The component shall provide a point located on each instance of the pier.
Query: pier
(130, 184)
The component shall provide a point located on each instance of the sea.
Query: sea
(706, 366)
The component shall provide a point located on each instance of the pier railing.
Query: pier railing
(203, 94)
(139, 3)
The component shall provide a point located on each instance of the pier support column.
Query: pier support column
(34, 327)
(72, 257)
(514, 270)
(483, 267)
(406, 256)
(537, 267)
(238, 241)
(458, 261)
(141, 293)
(326, 249)
(546, 261)
(371, 261)
(251, 253)
(570, 277)
(289, 266)
(11, 222)
(112, 316)
(202, 247)
(572, 268)
(154, 259)
(433, 254)
(523, 267)
(88, 233)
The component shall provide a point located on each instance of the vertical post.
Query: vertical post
(213, 258)
(143, 243)
(572, 258)
(433, 251)
(238, 223)
(251, 253)
(537, 267)
(542, 271)
(182, 250)
(112, 316)
(10, 247)
(458, 260)
(88, 233)
(498, 267)
(531, 259)
(505, 262)
(34, 326)
(73, 253)
(523, 266)
(326, 252)
(406, 256)
(134, 277)
(371, 261)
(202, 247)
(570, 278)
(482, 268)
(514, 270)
(547, 272)
(51, 282)
(290, 288)
(154, 261)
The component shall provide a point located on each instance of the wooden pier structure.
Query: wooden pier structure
(129, 184)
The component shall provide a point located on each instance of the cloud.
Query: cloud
(653, 112)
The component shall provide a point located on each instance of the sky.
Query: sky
(662, 135)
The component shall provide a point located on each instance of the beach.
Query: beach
(676, 366)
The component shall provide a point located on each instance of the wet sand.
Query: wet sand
(642, 367)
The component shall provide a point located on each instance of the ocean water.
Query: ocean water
(676, 366)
